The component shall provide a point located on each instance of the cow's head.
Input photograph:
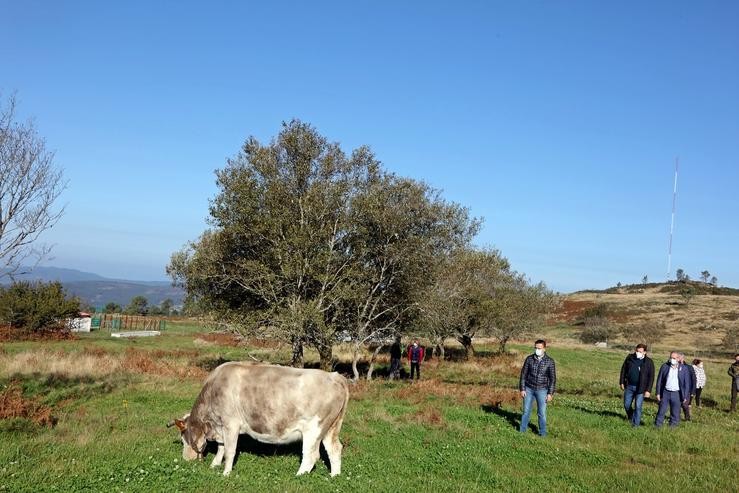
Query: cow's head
(193, 434)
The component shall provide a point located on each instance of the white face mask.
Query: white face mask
(640, 355)
(415, 344)
(539, 352)
(673, 361)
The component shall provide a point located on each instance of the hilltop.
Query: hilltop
(697, 322)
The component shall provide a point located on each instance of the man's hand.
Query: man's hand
(647, 395)
(523, 393)
(549, 397)
(622, 386)
(658, 399)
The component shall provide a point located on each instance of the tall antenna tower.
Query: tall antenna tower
(672, 223)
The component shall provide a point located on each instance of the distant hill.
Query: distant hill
(699, 321)
(97, 290)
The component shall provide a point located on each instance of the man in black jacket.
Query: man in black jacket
(637, 377)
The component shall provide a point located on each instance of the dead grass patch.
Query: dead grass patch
(14, 405)
(72, 365)
(140, 361)
(9, 334)
(418, 393)
(427, 416)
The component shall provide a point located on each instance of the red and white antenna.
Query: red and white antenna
(672, 223)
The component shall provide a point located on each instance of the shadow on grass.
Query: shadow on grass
(513, 418)
(601, 412)
(250, 446)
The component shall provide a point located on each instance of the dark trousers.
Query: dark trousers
(417, 367)
(733, 395)
(671, 400)
(698, 396)
(686, 408)
(394, 368)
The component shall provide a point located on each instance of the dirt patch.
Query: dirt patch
(14, 405)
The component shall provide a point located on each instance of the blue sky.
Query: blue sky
(557, 122)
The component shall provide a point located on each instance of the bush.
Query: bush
(644, 333)
(731, 339)
(36, 306)
(596, 311)
(597, 329)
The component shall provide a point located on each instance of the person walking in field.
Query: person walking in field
(734, 374)
(395, 354)
(686, 404)
(415, 357)
(673, 390)
(537, 382)
(700, 380)
(637, 377)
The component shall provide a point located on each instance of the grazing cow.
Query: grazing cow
(272, 404)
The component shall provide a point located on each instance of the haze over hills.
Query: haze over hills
(97, 290)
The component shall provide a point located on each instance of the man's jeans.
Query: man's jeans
(669, 399)
(630, 396)
(541, 409)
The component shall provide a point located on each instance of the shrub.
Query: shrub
(597, 329)
(648, 333)
(596, 311)
(731, 339)
(36, 306)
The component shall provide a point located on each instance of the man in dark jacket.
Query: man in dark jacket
(637, 377)
(415, 358)
(734, 374)
(395, 354)
(538, 381)
(673, 388)
(693, 384)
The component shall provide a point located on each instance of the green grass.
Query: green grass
(441, 435)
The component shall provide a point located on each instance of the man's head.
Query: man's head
(736, 357)
(674, 358)
(640, 350)
(540, 347)
(415, 342)
(681, 358)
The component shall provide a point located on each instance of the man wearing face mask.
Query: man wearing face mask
(538, 380)
(673, 389)
(637, 377)
(415, 357)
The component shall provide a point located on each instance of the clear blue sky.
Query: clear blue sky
(558, 122)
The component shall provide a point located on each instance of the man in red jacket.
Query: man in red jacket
(415, 357)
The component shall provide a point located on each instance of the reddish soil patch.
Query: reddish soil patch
(14, 405)
(8, 334)
(571, 310)
(429, 416)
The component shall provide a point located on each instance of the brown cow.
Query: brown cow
(272, 404)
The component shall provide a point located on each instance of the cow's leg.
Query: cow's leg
(311, 452)
(333, 448)
(218, 459)
(230, 441)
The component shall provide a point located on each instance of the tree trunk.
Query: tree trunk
(502, 343)
(297, 358)
(355, 360)
(466, 341)
(372, 361)
(326, 354)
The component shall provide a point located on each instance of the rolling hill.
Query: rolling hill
(97, 290)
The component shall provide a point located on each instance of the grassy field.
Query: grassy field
(453, 431)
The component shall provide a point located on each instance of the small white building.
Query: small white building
(82, 323)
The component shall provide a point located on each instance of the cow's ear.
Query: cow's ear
(180, 424)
